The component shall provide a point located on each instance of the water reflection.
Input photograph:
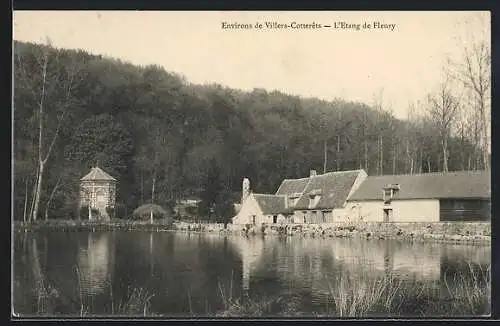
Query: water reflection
(187, 272)
(251, 251)
(95, 264)
(311, 264)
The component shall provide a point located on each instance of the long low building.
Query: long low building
(429, 197)
(350, 196)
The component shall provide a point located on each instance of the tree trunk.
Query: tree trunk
(420, 160)
(366, 156)
(38, 190)
(394, 152)
(152, 195)
(50, 199)
(142, 188)
(381, 155)
(33, 192)
(445, 155)
(153, 188)
(411, 165)
(325, 156)
(25, 200)
(338, 153)
(484, 128)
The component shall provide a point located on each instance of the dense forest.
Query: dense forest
(164, 138)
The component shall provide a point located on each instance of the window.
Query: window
(275, 219)
(253, 219)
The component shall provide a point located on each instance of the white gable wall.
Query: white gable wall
(250, 208)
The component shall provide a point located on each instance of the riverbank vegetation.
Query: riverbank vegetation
(465, 294)
(164, 138)
(96, 225)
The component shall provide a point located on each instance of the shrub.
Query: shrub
(144, 213)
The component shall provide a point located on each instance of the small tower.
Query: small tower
(98, 191)
(246, 190)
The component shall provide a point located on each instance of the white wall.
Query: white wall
(339, 215)
(414, 210)
(251, 207)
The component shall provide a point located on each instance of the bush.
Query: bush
(144, 212)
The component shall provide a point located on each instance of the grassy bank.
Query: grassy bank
(349, 295)
(94, 225)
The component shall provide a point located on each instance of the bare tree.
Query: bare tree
(443, 107)
(51, 197)
(52, 84)
(378, 105)
(473, 70)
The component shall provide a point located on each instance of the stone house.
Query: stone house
(429, 197)
(261, 208)
(315, 199)
(320, 198)
(98, 191)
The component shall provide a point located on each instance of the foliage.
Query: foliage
(144, 212)
(146, 126)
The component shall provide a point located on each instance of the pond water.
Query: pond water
(182, 275)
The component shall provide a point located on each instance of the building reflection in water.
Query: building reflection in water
(314, 264)
(95, 262)
(251, 251)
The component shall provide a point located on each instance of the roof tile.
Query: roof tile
(463, 184)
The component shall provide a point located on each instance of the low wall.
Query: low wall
(477, 232)
(468, 232)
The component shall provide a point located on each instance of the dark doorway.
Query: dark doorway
(275, 219)
(387, 214)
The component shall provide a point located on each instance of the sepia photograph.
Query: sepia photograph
(251, 164)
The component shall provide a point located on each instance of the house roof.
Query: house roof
(96, 174)
(292, 186)
(270, 204)
(333, 188)
(468, 184)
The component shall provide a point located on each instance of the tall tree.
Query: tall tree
(443, 107)
(51, 82)
(473, 70)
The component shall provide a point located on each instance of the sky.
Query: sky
(403, 62)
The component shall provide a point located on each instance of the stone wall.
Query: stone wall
(471, 232)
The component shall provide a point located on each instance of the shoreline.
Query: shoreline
(470, 233)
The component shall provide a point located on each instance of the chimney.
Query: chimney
(312, 173)
(245, 190)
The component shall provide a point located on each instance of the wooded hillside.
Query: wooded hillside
(164, 138)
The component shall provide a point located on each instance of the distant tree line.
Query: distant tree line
(165, 139)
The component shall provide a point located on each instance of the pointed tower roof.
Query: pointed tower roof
(97, 174)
